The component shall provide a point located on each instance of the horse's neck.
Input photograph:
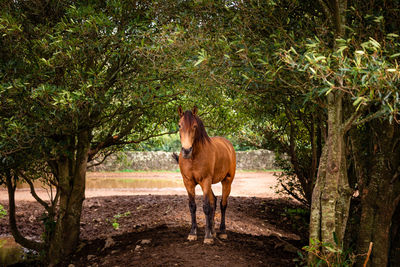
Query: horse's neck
(201, 148)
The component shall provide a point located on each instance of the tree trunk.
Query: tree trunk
(394, 256)
(331, 195)
(380, 193)
(19, 238)
(72, 176)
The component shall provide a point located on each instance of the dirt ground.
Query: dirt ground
(152, 231)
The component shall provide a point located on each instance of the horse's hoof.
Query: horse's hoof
(223, 236)
(192, 237)
(208, 241)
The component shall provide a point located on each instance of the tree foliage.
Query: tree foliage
(306, 73)
(79, 80)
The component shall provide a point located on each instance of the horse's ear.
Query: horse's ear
(180, 111)
(194, 110)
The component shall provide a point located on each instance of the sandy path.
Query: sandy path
(246, 184)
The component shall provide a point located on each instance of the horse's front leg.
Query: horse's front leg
(190, 188)
(209, 212)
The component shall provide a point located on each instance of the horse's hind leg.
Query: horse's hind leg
(226, 190)
(214, 234)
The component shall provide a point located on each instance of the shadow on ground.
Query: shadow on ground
(152, 231)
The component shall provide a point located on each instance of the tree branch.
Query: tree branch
(326, 10)
(350, 121)
(292, 151)
(33, 192)
(112, 140)
(370, 117)
(295, 196)
(395, 175)
(100, 162)
(143, 139)
(55, 200)
(19, 238)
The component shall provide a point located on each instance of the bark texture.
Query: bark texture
(331, 195)
(394, 256)
(71, 173)
(379, 184)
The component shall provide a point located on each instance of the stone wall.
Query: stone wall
(159, 160)
(255, 160)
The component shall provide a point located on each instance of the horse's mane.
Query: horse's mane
(201, 134)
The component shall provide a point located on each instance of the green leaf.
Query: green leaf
(374, 42)
(378, 19)
(322, 58)
(330, 90)
(357, 101)
(115, 225)
(341, 49)
(262, 61)
(293, 50)
(198, 62)
(245, 76)
(331, 249)
(394, 35)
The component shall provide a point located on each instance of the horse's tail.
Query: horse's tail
(176, 157)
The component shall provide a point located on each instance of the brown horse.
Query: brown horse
(205, 161)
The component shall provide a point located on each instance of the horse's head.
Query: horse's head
(188, 125)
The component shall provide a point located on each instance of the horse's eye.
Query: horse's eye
(179, 126)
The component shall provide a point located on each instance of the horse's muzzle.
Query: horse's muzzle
(186, 153)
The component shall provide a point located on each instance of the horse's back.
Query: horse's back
(225, 158)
